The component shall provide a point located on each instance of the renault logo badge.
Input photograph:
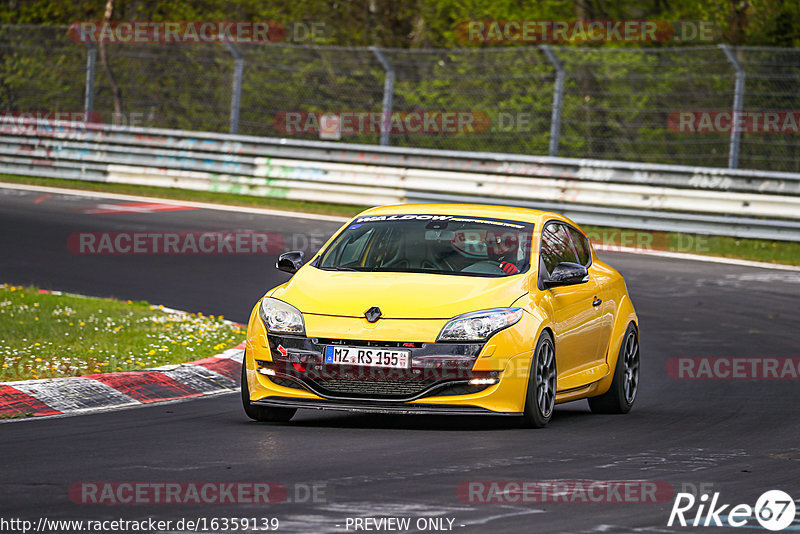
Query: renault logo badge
(373, 314)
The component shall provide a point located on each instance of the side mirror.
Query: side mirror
(567, 274)
(290, 261)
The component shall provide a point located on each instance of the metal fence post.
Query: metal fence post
(738, 101)
(558, 98)
(388, 93)
(91, 63)
(236, 90)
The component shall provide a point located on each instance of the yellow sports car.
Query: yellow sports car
(445, 309)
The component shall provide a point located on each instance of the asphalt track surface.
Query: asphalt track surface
(736, 437)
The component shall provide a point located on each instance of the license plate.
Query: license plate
(370, 357)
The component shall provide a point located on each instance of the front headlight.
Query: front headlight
(281, 318)
(479, 325)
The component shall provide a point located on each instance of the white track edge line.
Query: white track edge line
(697, 257)
(193, 204)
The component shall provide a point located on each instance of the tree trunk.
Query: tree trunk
(116, 92)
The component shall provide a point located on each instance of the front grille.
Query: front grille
(388, 388)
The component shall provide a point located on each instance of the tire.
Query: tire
(541, 394)
(621, 395)
(264, 414)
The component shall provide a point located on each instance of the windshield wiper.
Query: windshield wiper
(340, 268)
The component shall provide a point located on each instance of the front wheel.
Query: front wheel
(540, 399)
(620, 396)
(264, 414)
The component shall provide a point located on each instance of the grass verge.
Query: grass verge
(21, 415)
(783, 252)
(44, 335)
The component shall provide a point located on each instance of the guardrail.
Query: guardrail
(742, 203)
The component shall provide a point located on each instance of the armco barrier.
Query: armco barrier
(631, 195)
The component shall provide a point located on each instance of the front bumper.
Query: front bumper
(378, 407)
(288, 371)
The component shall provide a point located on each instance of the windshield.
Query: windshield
(441, 244)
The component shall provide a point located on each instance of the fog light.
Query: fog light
(483, 381)
(265, 371)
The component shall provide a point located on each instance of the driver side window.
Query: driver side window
(582, 248)
(556, 247)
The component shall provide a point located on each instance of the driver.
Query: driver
(502, 248)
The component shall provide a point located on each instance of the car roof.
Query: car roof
(475, 210)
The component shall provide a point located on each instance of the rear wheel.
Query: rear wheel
(620, 396)
(264, 414)
(540, 399)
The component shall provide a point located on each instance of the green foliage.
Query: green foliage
(431, 23)
(617, 100)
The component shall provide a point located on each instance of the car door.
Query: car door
(605, 305)
(576, 320)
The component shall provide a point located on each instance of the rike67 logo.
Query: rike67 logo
(774, 510)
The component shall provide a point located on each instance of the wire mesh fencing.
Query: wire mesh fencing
(664, 105)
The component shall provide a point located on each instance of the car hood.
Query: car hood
(398, 295)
